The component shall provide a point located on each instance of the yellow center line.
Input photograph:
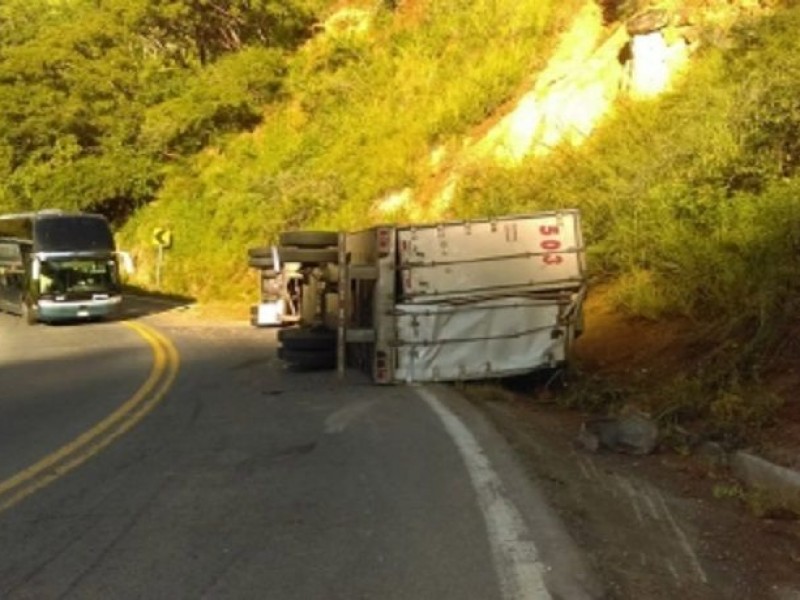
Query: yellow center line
(166, 362)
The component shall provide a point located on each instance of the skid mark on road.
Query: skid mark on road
(648, 505)
(342, 418)
(53, 466)
(684, 541)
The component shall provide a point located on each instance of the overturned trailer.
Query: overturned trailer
(442, 302)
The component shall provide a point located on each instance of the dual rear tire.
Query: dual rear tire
(300, 247)
(306, 348)
(302, 348)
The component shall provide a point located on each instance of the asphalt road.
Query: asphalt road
(57, 382)
(169, 458)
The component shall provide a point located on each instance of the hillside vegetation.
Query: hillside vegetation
(227, 122)
(358, 114)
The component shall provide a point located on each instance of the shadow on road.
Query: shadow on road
(139, 303)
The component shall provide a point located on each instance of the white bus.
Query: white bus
(57, 266)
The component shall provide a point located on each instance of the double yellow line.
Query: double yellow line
(53, 466)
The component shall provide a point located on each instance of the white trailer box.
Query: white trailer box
(464, 300)
(512, 255)
(491, 338)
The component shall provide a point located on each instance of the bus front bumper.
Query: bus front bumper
(55, 310)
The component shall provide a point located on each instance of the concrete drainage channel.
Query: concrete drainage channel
(780, 485)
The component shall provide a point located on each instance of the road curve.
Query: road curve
(250, 481)
(99, 435)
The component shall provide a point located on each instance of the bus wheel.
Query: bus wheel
(28, 314)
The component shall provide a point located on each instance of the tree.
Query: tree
(96, 98)
(207, 29)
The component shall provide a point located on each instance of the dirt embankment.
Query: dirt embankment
(677, 522)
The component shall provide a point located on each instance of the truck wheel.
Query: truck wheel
(305, 338)
(308, 255)
(268, 273)
(261, 262)
(260, 252)
(308, 359)
(309, 239)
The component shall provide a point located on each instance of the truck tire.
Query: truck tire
(309, 239)
(308, 255)
(261, 262)
(306, 338)
(260, 252)
(308, 359)
(268, 274)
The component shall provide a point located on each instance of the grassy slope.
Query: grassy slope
(359, 120)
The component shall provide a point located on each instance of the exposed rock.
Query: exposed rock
(635, 433)
(594, 63)
(782, 484)
(655, 63)
(713, 454)
(570, 96)
(648, 21)
(395, 202)
(615, 10)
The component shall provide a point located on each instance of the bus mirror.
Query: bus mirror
(36, 269)
(127, 262)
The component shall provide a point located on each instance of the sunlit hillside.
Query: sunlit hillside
(452, 109)
(370, 101)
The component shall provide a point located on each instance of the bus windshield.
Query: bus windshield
(72, 233)
(84, 275)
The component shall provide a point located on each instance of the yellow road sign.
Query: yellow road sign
(162, 237)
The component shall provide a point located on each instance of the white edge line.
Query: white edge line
(516, 558)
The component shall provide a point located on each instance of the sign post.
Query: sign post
(162, 238)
